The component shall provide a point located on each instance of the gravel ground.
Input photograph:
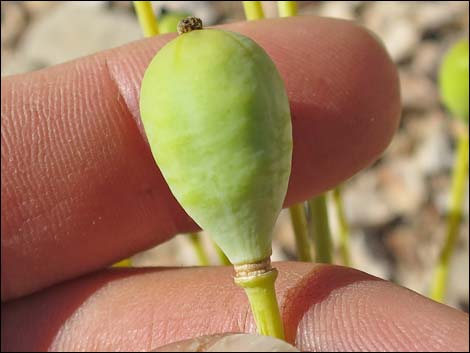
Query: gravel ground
(396, 208)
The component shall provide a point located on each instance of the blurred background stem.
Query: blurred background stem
(299, 223)
(147, 19)
(320, 229)
(297, 212)
(343, 226)
(123, 263)
(201, 254)
(253, 10)
(287, 8)
(459, 182)
(223, 259)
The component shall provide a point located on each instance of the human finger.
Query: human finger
(324, 308)
(80, 188)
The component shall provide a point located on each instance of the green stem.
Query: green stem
(343, 226)
(253, 10)
(297, 212)
(320, 228)
(299, 223)
(287, 8)
(262, 297)
(459, 181)
(147, 18)
(195, 239)
(220, 254)
(123, 263)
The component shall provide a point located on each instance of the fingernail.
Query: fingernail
(229, 343)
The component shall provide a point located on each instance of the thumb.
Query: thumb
(324, 308)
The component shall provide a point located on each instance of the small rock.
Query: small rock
(337, 9)
(38, 8)
(418, 92)
(415, 249)
(403, 243)
(175, 252)
(364, 205)
(427, 59)
(401, 146)
(393, 22)
(121, 5)
(434, 154)
(14, 21)
(403, 186)
(71, 30)
(435, 15)
(419, 126)
(363, 259)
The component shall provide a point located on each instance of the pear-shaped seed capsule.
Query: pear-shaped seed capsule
(217, 118)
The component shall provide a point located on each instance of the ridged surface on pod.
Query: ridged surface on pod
(217, 118)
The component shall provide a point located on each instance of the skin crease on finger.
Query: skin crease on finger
(324, 308)
(80, 188)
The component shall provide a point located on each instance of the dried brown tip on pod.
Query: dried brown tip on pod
(189, 24)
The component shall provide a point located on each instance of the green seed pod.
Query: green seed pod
(217, 118)
(453, 79)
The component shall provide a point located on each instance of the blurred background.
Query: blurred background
(396, 208)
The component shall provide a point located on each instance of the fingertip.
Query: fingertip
(345, 103)
(380, 316)
(324, 308)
